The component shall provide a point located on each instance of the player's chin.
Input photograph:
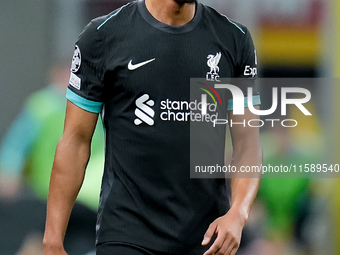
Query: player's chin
(186, 1)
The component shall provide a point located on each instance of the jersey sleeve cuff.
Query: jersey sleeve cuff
(83, 103)
(256, 101)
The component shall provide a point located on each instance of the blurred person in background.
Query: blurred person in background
(286, 201)
(285, 206)
(26, 157)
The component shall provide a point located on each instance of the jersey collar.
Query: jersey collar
(167, 28)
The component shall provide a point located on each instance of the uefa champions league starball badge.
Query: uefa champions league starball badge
(76, 60)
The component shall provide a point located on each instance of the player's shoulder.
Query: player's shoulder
(222, 21)
(116, 17)
(103, 26)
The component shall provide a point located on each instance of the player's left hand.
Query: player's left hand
(228, 229)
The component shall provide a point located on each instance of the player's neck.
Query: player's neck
(171, 12)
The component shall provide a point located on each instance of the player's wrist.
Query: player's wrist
(241, 213)
(54, 250)
(50, 242)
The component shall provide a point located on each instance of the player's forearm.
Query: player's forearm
(67, 175)
(244, 189)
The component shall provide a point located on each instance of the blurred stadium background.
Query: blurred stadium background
(294, 38)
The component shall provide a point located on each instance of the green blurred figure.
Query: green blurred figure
(287, 201)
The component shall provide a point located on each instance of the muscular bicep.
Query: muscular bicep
(244, 136)
(247, 153)
(79, 124)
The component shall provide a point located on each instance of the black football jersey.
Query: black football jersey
(130, 67)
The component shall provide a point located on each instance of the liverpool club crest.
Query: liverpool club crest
(213, 61)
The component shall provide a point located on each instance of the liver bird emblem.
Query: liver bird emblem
(213, 62)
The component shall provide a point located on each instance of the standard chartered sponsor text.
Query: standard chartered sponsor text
(187, 111)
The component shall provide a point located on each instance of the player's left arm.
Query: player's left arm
(247, 151)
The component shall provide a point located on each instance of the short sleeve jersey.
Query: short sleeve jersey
(130, 67)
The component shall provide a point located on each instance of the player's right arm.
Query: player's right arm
(86, 97)
(71, 158)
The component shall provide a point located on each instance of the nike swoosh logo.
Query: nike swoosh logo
(132, 67)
